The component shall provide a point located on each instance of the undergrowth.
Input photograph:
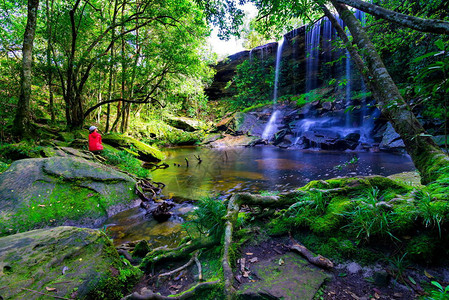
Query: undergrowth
(126, 162)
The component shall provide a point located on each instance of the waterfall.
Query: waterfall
(271, 127)
(277, 69)
(312, 55)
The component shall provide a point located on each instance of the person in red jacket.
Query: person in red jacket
(94, 140)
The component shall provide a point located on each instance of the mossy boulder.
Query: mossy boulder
(60, 190)
(66, 262)
(145, 152)
(186, 124)
(283, 277)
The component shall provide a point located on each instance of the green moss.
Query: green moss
(145, 152)
(24, 149)
(3, 166)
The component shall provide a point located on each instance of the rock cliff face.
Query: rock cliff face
(293, 72)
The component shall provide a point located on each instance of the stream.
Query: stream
(223, 171)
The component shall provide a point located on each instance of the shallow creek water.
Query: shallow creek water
(227, 170)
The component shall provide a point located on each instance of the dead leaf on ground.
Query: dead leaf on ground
(253, 260)
(50, 289)
(249, 253)
(428, 275)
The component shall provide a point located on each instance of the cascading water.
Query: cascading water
(271, 126)
(312, 55)
(342, 124)
(277, 69)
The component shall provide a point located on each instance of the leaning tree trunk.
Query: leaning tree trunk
(22, 119)
(426, 155)
(420, 24)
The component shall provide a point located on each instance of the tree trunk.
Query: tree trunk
(51, 106)
(426, 155)
(22, 119)
(423, 25)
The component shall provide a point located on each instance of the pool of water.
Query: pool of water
(225, 171)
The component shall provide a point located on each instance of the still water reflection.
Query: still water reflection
(223, 171)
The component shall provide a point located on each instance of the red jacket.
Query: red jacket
(95, 141)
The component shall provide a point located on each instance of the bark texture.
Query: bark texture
(428, 158)
(420, 24)
(23, 117)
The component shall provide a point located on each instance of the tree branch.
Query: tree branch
(420, 24)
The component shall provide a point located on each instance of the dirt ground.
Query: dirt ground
(348, 281)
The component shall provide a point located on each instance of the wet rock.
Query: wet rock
(391, 139)
(235, 141)
(66, 262)
(294, 279)
(327, 105)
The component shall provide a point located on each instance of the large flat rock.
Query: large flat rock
(293, 278)
(60, 190)
(66, 262)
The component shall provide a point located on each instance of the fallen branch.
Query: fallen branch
(319, 260)
(200, 269)
(146, 294)
(181, 267)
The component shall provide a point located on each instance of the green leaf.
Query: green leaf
(422, 57)
(411, 280)
(440, 44)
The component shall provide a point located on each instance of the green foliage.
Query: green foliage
(370, 218)
(207, 219)
(439, 293)
(432, 213)
(422, 247)
(126, 162)
(309, 97)
(24, 149)
(3, 166)
(252, 84)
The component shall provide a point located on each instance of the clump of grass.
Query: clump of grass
(370, 217)
(429, 211)
(126, 162)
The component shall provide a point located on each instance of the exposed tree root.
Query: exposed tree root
(195, 256)
(318, 260)
(159, 255)
(269, 201)
(231, 217)
(146, 294)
